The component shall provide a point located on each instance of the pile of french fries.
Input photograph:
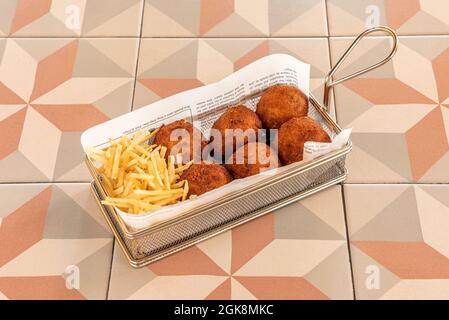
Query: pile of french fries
(136, 175)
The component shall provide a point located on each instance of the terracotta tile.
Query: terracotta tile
(24, 227)
(407, 17)
(71, 18)
(245, 245)
(411, 250)
(234, 18)
(37, 288)
(283, 288)
(54, 89)
(258, 52)
(423, 155)
(11, 127)
(55, 69)
(181, 264)
(213, 12)
(255, 260)
(168, 87)
(27, 11)
(222, 292)
(407, 260)
(53, 244)
(441, 67)
(397, 112)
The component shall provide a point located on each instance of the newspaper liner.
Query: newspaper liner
(202, 106)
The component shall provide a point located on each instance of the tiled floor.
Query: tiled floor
(66, 65)
(51, 90)
(49, 232)
(262, 259)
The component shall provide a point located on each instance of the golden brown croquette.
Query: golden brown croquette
(292, 135)
(204, 177)
(279, 104)
(251, 159)
(238, 117)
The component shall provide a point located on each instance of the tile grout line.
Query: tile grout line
(223, 37)
(138, 56)
(110, 269)
(348, 242)
(348, 245)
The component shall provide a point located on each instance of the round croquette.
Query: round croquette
(204, 177)
(184, 141)
(292, 135)
(238, 117)
(279, 104)
(251, 159)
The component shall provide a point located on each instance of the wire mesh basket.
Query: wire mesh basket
(147, 245)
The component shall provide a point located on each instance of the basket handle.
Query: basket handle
(329, 83)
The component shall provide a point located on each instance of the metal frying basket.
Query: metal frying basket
(155, 242)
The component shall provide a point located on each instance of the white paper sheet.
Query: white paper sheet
(202, 106)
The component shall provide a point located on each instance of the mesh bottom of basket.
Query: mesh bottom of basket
(215, 218)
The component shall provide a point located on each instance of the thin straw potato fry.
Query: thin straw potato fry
(163, 152)
(115, 166)
(182, 168)
(161, 197)
(156, 169)
(177, 185)
(141, 176)
(171, 168)
(157, 192)
(118, 191)
(136, 175)
(186, 190)
(170, 200)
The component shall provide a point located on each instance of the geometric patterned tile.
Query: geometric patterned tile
(53, 244)
(409, 257)
(51, 90)
(209, 60)
(399, 114)
(70, 18)
(407, 17)
(234, 18)
(262, 259)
